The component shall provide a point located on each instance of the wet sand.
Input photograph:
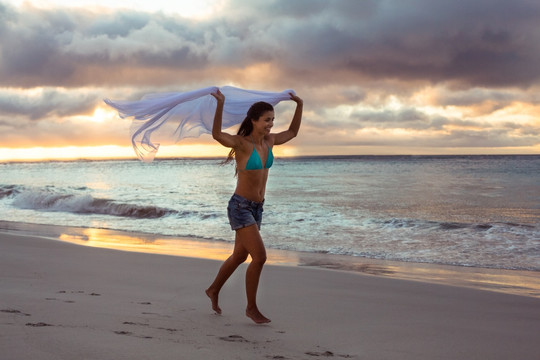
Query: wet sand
(516, 282)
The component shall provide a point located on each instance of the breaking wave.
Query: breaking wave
(50, 200)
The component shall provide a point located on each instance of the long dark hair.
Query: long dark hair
(254, 113)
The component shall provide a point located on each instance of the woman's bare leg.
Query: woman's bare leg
(247, 241)
(238, 256)
(251, 240)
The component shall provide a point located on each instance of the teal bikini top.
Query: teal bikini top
(254, 162)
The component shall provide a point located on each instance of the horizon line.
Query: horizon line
(329, 156)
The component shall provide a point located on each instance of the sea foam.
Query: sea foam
(46, 200)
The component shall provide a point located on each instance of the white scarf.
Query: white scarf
(187, 114)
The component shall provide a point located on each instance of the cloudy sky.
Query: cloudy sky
(377, 77)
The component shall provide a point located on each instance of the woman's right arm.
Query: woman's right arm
(223, 138)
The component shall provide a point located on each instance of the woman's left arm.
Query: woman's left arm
(283, 137)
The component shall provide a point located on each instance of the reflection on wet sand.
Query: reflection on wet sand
(196, 248)
(371, 269)
(526, 283)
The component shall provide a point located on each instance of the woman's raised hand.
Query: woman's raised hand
(219, 96)
(296, 99)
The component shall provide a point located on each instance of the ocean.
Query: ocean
(468, 211)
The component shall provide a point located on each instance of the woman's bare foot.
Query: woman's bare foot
(214, 298)
(256, 316)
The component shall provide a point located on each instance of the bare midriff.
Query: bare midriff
(252, 184)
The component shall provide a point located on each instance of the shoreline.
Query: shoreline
(516, 282)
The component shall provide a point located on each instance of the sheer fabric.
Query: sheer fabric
(176, 116)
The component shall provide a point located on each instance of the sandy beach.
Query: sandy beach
(65, 301)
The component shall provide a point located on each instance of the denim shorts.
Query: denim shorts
(243, 212)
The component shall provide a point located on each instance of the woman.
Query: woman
(252, 150)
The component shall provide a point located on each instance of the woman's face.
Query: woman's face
(264, 123)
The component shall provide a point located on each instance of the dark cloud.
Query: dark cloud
(117, 25)
(405, 119)
(49, 102)
(489, 138)
(369, 127)
(73, 48)
(478, 96)
(480, 43)
(18, 131)
(482, 138)
(402, 119)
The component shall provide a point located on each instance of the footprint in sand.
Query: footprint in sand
(327, 354)
(129, 333)
(170, 330)
(233, 338)
(123, 333)
(134, 323)
(16, 312)
(77, 292)
(156, 314)
(39, 324)
(71, 292)
(55, 299)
